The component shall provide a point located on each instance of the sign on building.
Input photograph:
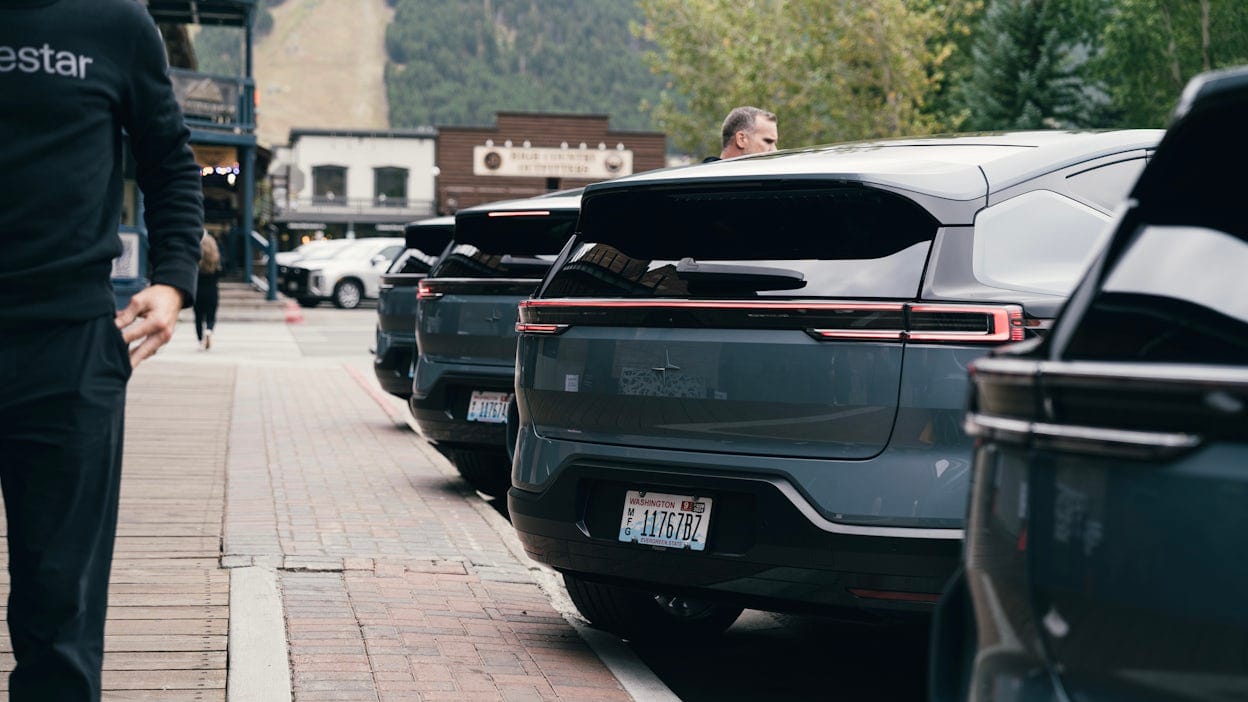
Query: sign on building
(588, 164)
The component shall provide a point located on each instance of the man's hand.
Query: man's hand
(150, 316)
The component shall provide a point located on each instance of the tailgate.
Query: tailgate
(765, 391)
(396, 302)
(465, 320)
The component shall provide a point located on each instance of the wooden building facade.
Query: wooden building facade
(527, 154)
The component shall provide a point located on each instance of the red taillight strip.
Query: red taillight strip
(1007, 323)
(424, 291)
(521, 213)
(719, 304)
(883, 334)
(895, 595)
(528, 328)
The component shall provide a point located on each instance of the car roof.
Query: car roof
(953, 167)
(446, 221)
(554, 201)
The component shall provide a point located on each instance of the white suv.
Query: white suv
(345, 274)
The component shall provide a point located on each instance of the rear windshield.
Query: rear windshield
(748, 241)
(505, 247)
(412, 261)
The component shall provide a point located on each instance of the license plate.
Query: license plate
(660, 519)
(488, 407)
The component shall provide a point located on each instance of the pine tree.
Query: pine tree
(1026, 73)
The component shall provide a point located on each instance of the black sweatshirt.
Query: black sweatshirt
(73, 75)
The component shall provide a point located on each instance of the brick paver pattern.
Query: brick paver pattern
(394, 586)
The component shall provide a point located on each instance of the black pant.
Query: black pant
(206, 300)
(62, 407)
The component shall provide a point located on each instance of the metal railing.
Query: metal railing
(325, 205)
(217, 102)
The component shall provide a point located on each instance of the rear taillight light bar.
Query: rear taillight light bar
(425, 291)
(530, 328)
(920, 322)
(520, 213)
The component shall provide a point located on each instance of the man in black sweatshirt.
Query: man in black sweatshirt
(73, 75)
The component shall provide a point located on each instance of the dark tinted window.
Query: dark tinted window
(329, 184)
(746, 241)
(505, 246)
(1177, 294)
(412, 261)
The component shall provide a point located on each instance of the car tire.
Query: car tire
(485, 471)
(308, 302)
(347, 295)
(634, 614)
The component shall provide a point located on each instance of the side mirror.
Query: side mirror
(378, 259)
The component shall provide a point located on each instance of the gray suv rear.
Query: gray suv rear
(742, 383)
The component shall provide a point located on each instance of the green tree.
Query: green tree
(1028, 68)
(1151, 48)
(831, 71)
(457, 62)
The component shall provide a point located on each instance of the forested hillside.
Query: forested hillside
(457, 62)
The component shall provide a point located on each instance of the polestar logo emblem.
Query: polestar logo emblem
(667, 365)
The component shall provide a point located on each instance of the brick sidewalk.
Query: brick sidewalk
(395, 587)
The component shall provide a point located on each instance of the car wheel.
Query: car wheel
(308, 302)
(347, 295)
(486, 471)
(636, 614)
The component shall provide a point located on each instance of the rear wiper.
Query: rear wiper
(735, 275)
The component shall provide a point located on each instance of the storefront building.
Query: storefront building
(343, 183)
(527, 154)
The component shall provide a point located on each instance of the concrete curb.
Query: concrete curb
(259, 668)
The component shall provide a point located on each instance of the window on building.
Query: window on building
(390, 186)
(329, 185)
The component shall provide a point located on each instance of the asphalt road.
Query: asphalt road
(777, 657)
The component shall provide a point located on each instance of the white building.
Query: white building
(352, 183)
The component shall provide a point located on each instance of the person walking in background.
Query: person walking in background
(747, 130)
(207, 296)
(75, 75)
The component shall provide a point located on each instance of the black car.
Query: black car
(394, 358)
(466, 328)
(742, 384)
(1106, 544)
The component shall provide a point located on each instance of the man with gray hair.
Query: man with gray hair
(748, 130)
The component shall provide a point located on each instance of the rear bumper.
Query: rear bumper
(392, 362)
(439, 403)
(765, 549)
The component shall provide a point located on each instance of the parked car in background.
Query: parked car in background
(742, 383)
(1107, 526)
(394, 358)
(286, 258)
(466, 328)
(343, 274)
